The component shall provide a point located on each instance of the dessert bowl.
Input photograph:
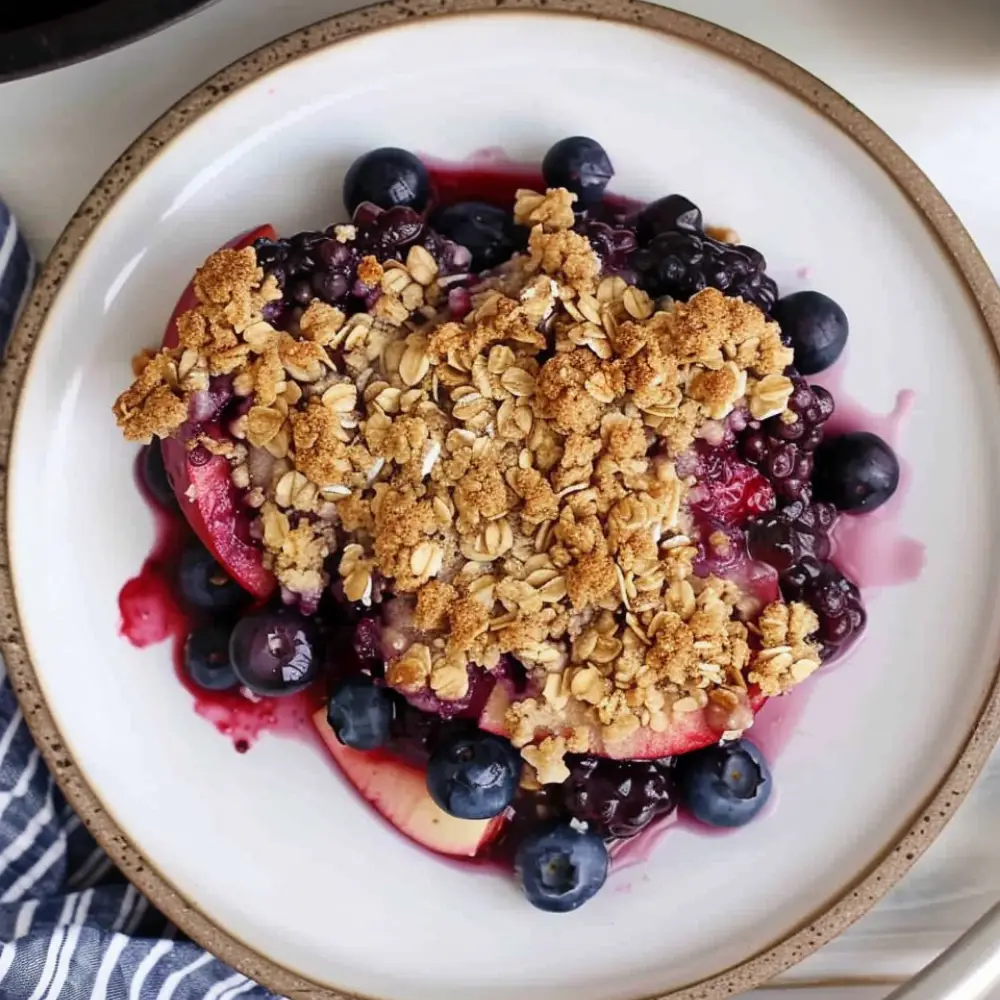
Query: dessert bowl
(268, 857)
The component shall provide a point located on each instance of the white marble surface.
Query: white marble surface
(927, 71)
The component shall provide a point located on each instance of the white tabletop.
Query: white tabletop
(928, 71)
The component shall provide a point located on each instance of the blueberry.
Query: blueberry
(724, 785)
(814, 326)
(560, 866)
(666, 215)
(204, 584)
(855, 472)
(473, 775)
(488, 232)
(388, 178)
(275, 652)
(206, 658)
(580, 165)
(360, 713)
(154, 475)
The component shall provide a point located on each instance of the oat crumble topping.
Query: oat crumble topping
(523, 502)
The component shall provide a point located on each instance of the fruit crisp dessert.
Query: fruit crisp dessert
(531, 493)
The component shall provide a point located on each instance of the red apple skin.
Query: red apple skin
(202, 484)
(398, 792)
(690, 732)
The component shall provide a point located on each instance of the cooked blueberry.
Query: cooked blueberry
(784, 451)
(667, 214)
(580, 165)
(360, 713)
(617, 798)
(681, 262)
(206, 658)
(724, 785)
(561, 865)
(387, 177)
(204, 584)
(275, 652)
(613, 244)
(835, 599)
(815, 326)
(473, 775)
(855, 472)
(154, 475)
(488, 232)
(784, 537)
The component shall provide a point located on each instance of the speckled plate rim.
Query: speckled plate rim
(836, 915)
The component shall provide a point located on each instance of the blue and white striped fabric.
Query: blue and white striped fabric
(71, 926)
(17, 272)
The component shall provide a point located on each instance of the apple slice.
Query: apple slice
(398, 791)
(212, 506)
(202, 484)
(688, 732)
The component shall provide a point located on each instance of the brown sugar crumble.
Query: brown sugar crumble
(521, 501)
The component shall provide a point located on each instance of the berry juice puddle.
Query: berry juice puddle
(516, 493)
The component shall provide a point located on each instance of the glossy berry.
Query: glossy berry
(154, 475)
(360, 712)
(387, 177)
(724, 785)
(203, 583)
(815, 326)
(667, 215)
(561, 866)
(320, 265)
(580, 165)
(783, 450)
(613, 244)
(682, 262)
(275, 652)
(856, 472)
(206, 658)
(387, 232)
(488, 232)
(784, 537)
(618, 798)
(473, 775)
(729, 490)
(835, 599)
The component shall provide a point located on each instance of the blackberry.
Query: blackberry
(784, 451)
(784, 537)
(306, 266)
(618, 798)
(317, 265)
(680, 263)
(834, 598)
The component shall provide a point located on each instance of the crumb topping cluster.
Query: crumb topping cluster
(521, 500)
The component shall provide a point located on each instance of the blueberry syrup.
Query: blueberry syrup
(489, 175)
(151, 613)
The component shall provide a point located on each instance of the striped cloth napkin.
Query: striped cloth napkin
(71, 926)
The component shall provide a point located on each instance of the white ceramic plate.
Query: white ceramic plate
(273, 847)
